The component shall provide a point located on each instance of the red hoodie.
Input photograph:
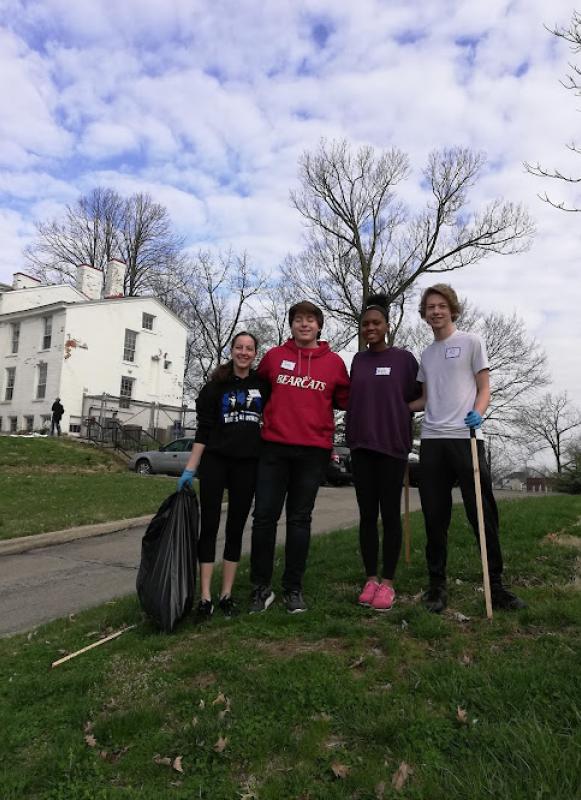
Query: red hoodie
(307, 383)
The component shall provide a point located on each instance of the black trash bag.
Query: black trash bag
(166, 580)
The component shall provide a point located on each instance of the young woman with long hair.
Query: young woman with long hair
(226, 449)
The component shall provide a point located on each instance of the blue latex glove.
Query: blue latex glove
(186, 479)
(473, 419)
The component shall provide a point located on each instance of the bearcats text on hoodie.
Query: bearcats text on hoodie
(307, 383)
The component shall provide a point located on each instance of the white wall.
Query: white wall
(26, 361)
(23, 299)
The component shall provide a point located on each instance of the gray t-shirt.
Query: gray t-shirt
(449, 368)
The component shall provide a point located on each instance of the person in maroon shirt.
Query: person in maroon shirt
(379, 433)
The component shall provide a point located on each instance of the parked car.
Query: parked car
(170, 459)
(338, 472)
(414, 469)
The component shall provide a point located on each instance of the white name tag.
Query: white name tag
(254, 393)
(383, 370)
(452, 352)
(288, 364)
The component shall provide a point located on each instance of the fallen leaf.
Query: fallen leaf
(458, 582)
(163, 761)
(220, 699)
(221, 744)
(223, 713)
(194, 722)
(466, 659)
(114, 755)
(460, 617)
(462, 716)
(404, 624)
(322, 717)
(88, 726)
(177, 764)
(90, 740)
(380, 790)
(386, 687)
(334, 742)
(357, 663)
(340, 770)
(552, 537)
(400, 776)
(202, 704)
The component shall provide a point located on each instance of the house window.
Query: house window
(41, 385)
(125, 392)
(74, 428)
(147, 321)
(15, 337)
(13, 421)
(45, 422)
(10, 378)
(47, 335)
(29, 423)
(129, 346)
(0, 423)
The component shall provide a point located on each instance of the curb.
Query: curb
(26, 543)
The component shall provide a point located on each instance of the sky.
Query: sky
(207, 105)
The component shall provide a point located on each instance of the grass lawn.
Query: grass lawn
(49, 484)
(335, 703)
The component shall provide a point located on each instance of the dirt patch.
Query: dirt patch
(291, 647)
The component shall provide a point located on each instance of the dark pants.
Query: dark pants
(294, 472)
(238, 476)
(442, 463)
(378, 480)
(55, 425)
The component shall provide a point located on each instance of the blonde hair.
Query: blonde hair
(449, 295)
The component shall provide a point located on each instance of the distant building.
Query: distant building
(106, 356)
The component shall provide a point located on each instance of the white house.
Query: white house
(103, 354)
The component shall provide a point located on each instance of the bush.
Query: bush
(569, 482)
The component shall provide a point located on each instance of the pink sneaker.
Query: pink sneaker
(368, 593)
(383, 598)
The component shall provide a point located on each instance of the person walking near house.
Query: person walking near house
(379, 433)
(454, 375)
(308, 381)
(57, 414)
(226, 449)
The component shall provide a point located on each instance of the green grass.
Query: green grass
(338, 685)
(51, 484)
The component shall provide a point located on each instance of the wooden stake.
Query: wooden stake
(91, 646)
(480, 515)
(406, 516)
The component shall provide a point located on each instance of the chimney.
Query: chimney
(24, 281)
(114, 278)
(89, 281)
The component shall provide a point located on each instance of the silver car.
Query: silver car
(171, 459)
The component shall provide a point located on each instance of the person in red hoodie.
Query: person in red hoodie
(307, 382)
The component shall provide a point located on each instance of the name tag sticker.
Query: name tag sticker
(453, 352)
(254, 393)
(288, 364)
(383, 370)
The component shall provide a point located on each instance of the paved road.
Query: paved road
(51, 582)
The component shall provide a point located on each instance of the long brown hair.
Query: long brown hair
(224, 372)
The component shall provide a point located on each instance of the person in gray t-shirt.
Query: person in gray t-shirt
(454, 376)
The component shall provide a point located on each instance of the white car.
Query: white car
(171, 459)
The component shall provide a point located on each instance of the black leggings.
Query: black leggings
(378, 480)
(238, 476)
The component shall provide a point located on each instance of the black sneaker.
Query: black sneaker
(262, 598)
(205, 610)
(227, 606)
(435, 599)
(294, 601)
(505, 600)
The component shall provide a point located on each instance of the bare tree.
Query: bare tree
(518, 364)
(215, 293)
(548, 424)
(100, 226)
(572, 82)
(363, 240)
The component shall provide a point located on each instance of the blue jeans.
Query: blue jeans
(292, 472)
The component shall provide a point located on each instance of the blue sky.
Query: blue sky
(208, 105)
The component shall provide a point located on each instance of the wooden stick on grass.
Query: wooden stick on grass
(91, 646)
